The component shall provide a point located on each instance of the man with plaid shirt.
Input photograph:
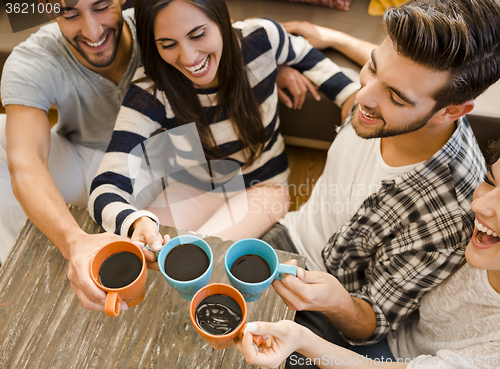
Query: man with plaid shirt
(393, 203)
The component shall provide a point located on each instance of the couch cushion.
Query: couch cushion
(336, 4)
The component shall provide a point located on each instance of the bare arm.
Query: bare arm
(321, 38)
(28, 147)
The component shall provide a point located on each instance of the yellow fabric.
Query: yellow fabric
(377, 7)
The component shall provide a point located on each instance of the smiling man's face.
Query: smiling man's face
(93, 29)
(396, 95)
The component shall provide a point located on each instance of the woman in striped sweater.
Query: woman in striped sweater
(206, 76)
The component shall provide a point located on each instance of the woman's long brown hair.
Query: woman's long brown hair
(235, 98)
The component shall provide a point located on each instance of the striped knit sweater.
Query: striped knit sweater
(115, 201)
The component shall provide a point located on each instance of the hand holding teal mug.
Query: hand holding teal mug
(252, 265)
(186, 263)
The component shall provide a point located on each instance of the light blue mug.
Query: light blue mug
(186, 289)
(252, 291)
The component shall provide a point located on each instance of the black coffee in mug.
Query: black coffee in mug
(218, 314)
(120, 269)
(251, 268)
(186, 262)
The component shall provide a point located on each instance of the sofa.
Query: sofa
(313, 125)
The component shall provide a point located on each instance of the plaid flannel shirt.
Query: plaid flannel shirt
(411, 235)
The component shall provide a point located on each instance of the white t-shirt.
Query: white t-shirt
(354, 170)
(458, 326)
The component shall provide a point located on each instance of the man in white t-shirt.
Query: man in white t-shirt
(390, 216)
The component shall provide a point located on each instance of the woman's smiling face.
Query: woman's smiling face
(483, 251)
(190, 41)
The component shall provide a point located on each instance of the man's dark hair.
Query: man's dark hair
(493, 153)
(461, 37)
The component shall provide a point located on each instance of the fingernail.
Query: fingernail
(103, 301)
(245, 331)
(252, 327)
(138, 244)
(124, 306)
(156, 246)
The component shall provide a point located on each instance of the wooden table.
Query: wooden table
(43, 324)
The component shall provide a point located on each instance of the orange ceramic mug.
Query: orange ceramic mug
(132, 293)
(225, 340)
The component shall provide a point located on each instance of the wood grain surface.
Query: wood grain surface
(44, 326)
(306, 166)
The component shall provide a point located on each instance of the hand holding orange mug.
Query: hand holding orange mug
(120, 270)
(219, 314)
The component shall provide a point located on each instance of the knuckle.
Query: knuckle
(300, 307)
(81, 282)
(307, 298)
(86, 305)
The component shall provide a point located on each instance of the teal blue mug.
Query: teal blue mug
(246, 270)
(188, 270)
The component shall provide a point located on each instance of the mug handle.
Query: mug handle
(256, 339)
(285, 268)
(150, 249)
(113, 304)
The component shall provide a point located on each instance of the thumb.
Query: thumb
(247, 347)
(263, 329)
(247, 340)
(309, 277)
(290, 27)
(153, 240)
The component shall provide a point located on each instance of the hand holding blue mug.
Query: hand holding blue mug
(186, 262)
(252, 265)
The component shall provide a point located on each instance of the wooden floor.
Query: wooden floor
(306, 166)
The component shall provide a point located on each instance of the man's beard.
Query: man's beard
(98, 62)
(388, 132)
